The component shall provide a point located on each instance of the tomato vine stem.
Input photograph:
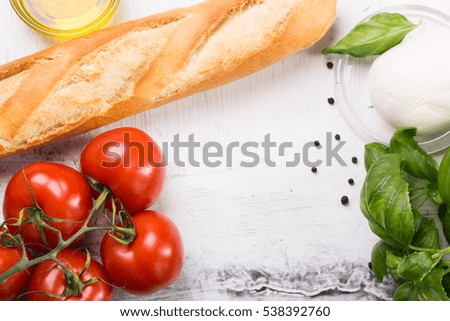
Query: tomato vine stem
(125, 234)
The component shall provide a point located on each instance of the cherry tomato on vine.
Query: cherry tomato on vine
(16, 284)
(60, 192)
(48, 277)
(151, 262)
(129, 163)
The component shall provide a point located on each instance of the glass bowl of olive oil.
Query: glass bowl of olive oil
(65, 19)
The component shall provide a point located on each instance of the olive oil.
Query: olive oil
(65, 18)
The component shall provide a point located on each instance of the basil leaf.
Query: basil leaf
(379, 260)
(392, 262)
(444, 216)
(417, 162)
(417, 219)
(444, 177)
(427, 236)
(415, 266)
(429, 289)
(446, 283)
(384, 235)
(385, 199)
(373, 152)
(374, 37)
(432, 191)
(406, 292)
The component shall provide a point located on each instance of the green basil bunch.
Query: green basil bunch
(400, 179)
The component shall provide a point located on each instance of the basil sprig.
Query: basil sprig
(374, 37)
(400, 179)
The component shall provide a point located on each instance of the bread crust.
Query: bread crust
(305, 22)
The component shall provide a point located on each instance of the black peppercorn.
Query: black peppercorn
(351, 181)
(337, 137)
(317, 143)
(330, 65)
(331, 101)
(344, 200)
(314, 169)
(355, 160)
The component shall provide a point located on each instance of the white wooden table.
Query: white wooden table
(250, 234)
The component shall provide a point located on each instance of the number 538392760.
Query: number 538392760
(296, 311)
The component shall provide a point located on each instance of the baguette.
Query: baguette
(117, 72)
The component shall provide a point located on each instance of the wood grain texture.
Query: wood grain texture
(250, 234)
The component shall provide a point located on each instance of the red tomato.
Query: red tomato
(49, 278)
(151, 262)
(16, 284)
(60, 191)
(129, 163)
